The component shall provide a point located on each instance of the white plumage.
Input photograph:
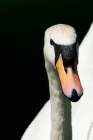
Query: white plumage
(82, 117)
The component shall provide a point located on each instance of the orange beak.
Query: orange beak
(70, 81)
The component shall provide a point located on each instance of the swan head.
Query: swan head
(60, 50)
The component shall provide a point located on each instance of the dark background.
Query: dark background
(24, 82)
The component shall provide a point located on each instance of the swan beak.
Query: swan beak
(70, 81)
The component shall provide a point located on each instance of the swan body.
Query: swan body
(82, 116)
(82, 111)
(86, 49)
(40, 127)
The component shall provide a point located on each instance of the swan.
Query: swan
(82, 111)
(53, 122)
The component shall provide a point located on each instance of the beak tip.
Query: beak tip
(75, 96)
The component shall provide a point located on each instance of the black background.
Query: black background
(24, 81)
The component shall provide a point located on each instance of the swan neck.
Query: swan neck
(60, 108)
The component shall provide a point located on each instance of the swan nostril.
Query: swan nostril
(74, 96)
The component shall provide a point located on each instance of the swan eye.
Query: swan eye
(51, 42)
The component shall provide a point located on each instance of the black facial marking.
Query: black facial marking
(65, 68)
(52, 42)
(68, 52)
